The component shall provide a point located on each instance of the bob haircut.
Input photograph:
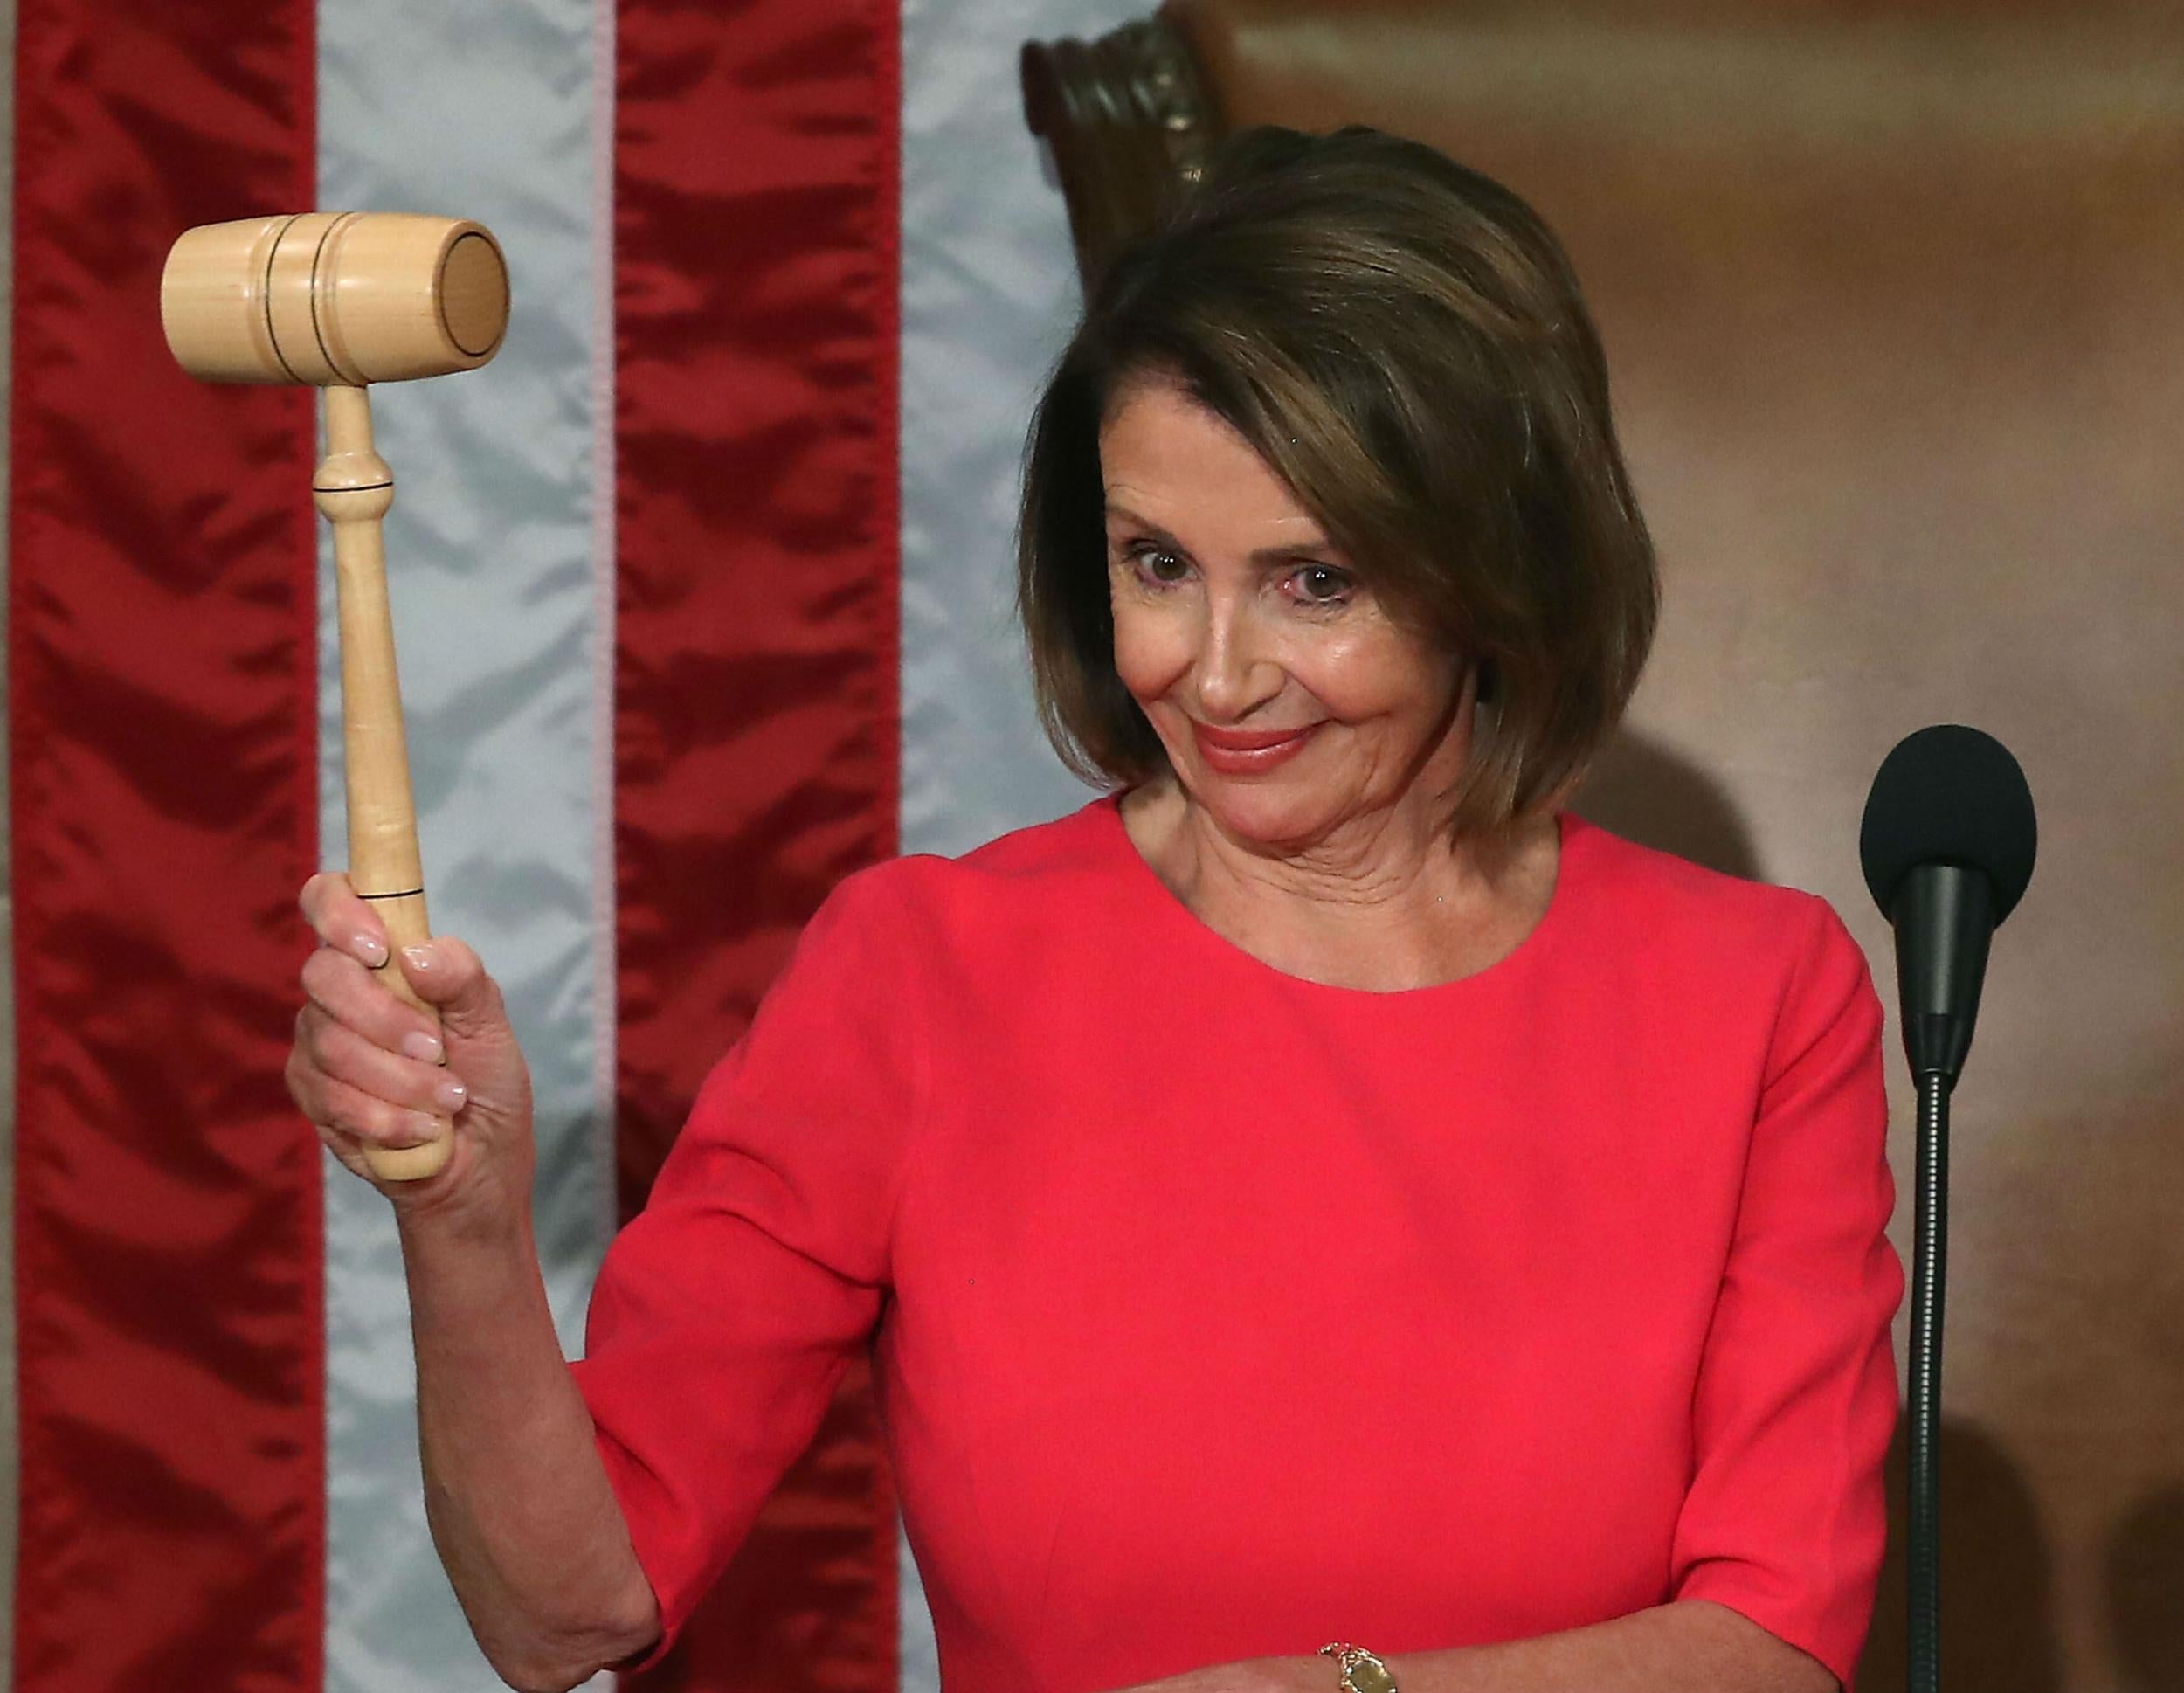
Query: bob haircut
(1402, 341)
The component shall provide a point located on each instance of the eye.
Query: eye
(1155, 566)
(1322, 584)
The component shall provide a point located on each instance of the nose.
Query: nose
(1235, 668)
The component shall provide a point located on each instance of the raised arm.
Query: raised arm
(514, 1489)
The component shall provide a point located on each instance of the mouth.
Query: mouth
(1244, 752)
(1238, 740)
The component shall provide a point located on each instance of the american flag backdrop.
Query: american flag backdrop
(701, 593)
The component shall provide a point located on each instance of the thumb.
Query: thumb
(449, 977)
(482, 1048)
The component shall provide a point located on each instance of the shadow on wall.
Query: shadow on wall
(1998, 1629)
(1998, 1603)
(2143, 1579)
(1645, 793)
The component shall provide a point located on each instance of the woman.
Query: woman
(1322, 1192)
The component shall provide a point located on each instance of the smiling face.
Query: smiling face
(1291, 703)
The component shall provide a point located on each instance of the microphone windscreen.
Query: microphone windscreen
(1949, 795)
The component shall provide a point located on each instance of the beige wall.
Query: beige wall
(1892, 305)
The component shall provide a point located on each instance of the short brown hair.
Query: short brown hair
(1402, 339)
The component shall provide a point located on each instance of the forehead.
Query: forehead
(1168, 458)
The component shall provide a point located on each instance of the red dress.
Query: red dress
(1220, 1313)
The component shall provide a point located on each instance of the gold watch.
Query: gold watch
(1361, 1671)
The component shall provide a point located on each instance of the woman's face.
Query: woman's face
(1237, 622)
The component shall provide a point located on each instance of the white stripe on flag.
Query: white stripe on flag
(605, 990)
(501, 602)
(988, 295)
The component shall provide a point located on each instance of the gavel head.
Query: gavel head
(334, 297)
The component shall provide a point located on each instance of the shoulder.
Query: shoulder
(1044, 881)
(1704, 923)
(1630, 878)
(1765, 979)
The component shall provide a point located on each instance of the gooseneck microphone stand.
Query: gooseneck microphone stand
(1947, 844)
(1944, 915)
(1930, 1253)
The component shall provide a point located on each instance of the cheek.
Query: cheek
(1374, 673)
(1152, 651)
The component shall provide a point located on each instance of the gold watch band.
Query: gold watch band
(1361, 1671)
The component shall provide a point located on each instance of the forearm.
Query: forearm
(1690, 1647)
(514, 1491)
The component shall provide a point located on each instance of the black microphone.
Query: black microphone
(1948, 845)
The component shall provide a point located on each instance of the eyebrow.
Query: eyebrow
(1314, 547)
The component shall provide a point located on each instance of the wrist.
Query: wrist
(475, 1228)
(1358, 1669)
(468, 1206)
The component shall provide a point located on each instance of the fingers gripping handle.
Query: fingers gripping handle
(354, 488)
(404, 915)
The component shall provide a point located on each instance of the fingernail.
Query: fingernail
(420, 957)
(452, 1096)
(426, 1048)
(370, 948)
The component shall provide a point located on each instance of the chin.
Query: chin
(1271, 809)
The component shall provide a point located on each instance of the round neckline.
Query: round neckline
(1518, 959)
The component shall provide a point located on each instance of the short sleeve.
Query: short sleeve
(1784, 1520)
(727, 1309)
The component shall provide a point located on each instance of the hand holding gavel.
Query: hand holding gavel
(338, 301)
(373, 1072)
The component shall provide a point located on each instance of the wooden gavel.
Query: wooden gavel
(337, 300)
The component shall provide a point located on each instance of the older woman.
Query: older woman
(1325, 1215)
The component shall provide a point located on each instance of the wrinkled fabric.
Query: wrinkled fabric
(499, 573)
(756, 741)
(989, 297)
(167, 1252)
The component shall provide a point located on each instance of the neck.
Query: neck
(1390, 858)
(1384, 901)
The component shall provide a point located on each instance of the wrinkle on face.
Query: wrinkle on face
(1228, 643)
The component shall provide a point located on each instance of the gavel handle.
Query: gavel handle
(354, 488)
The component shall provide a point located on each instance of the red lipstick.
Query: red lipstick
(1248, 752)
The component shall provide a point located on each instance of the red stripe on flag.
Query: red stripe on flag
(755, 738)
(162, 655)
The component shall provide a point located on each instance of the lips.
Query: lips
(1246, 752)
(1237, 740)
